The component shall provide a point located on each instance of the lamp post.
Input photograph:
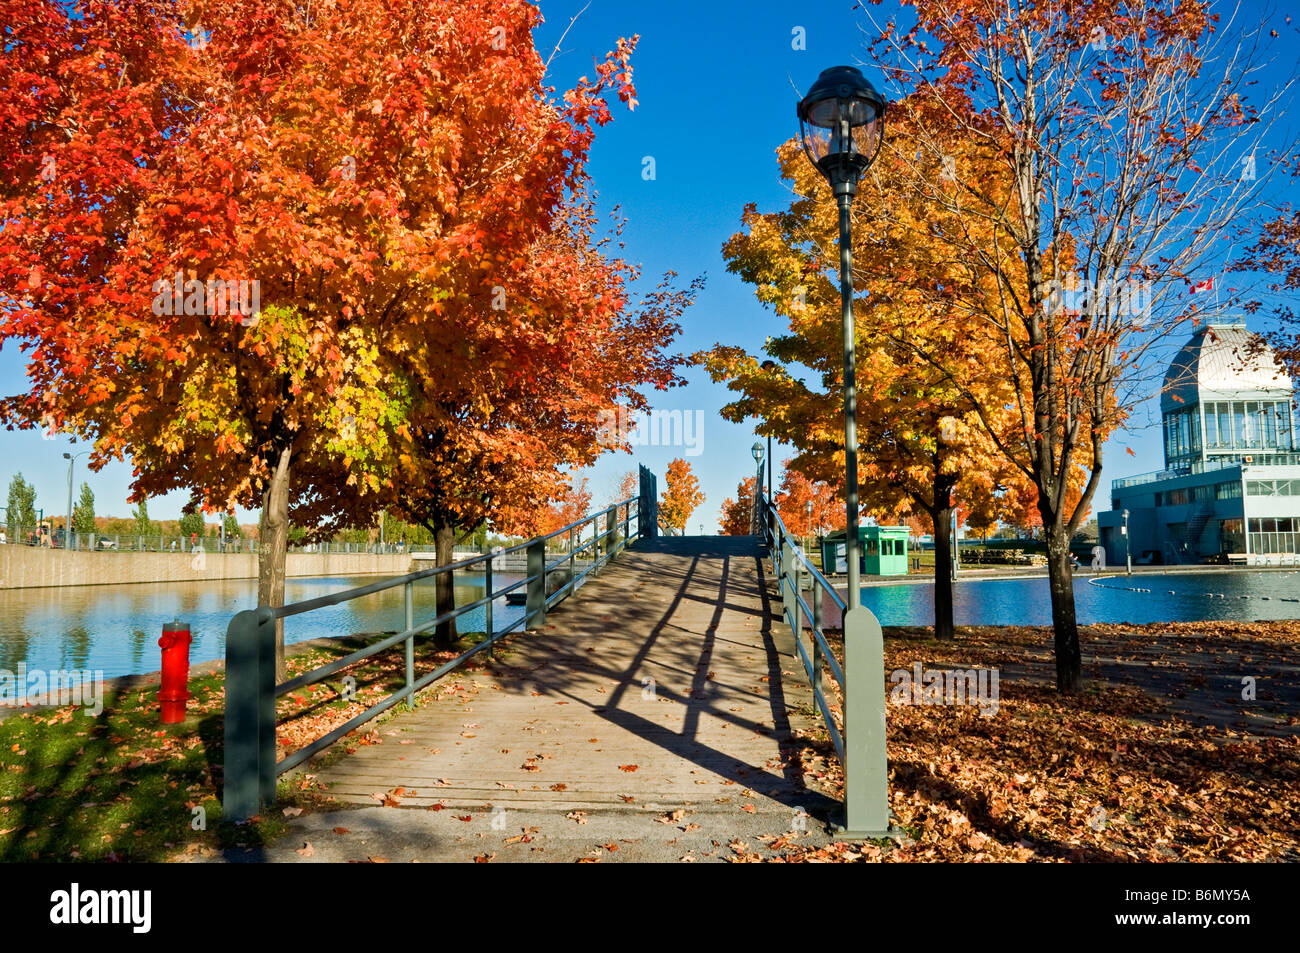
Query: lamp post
(841, 123)
(1128, 548)
(757, 520)
(67, 527)
(771, 486)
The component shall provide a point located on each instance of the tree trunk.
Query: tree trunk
(273, 544)
(1069, 663)
(444, 589)
(941, 516)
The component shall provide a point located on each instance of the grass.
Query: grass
(121, 786)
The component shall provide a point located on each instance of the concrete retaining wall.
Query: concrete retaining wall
(28, 567)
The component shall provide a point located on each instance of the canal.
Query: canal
(115, 629)
(1240, 595)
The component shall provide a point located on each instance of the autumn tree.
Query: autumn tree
(794, 495)
(681, 495)
(922, 446)
(312, 259)
(569, 506)
(1121, 129)
(738, 514)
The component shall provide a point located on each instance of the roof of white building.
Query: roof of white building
(1222, 360)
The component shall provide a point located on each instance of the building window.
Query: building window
(1227, 491)
(1273, 534)
(1273, 487)
(1248, 425)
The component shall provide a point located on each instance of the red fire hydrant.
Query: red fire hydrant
(175, 643)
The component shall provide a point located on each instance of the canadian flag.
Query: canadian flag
(1206, 285)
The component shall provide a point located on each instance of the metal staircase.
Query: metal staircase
(1184, 551)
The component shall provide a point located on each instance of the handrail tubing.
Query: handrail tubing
(813, 570)
(347, 595)
(323, 672)
(776, 534)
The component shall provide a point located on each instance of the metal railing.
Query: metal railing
(251, 768)
(860, 740)
(788, 566)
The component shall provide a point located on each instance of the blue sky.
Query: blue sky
(717, 88)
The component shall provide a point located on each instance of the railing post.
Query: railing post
(573, 553)
(627, 524)
(487, 608)
(611, 521)
(782, 553)
(535, 605)
(866, 780)
(249, 758)
(794, 573)
(815, 593)
(409, 601)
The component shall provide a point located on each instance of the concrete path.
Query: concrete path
(648, 720)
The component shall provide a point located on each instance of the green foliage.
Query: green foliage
(191, 523)
(143, 525)
(22, 502)
(396, 530)
(232, 527)
(83, 514)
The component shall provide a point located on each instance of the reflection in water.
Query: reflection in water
(76, 645)
(115, 629)
(1173, 597)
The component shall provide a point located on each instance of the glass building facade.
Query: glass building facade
(1230, 489)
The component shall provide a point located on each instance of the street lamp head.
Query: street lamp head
(757, 451)
(67, 456)
(768, 366)
(841, 124)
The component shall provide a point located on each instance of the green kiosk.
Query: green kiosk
(883, 548)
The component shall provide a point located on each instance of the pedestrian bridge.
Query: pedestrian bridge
(650, 711)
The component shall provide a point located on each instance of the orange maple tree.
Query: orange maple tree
(738, 514)
(794, 496)
(681, 495)
(425, 320)
(1099, 153)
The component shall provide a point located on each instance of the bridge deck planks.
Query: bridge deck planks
(672, 660)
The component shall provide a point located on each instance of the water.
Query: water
(115, 629)
(1194, 598)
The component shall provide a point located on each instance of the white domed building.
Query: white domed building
(1230, 490)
